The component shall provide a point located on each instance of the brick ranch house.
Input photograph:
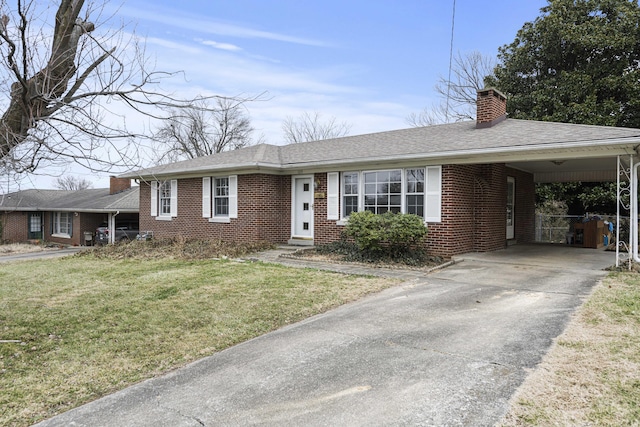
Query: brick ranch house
(62, 216)
(473, 182)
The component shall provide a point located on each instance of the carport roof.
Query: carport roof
(511, 141)
(91, 200)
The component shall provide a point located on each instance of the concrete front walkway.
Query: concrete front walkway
(448, 348)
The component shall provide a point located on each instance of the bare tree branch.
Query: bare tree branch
(72, 183)
(205, 129)
(60, 89)
(310, 127)
(458, 96)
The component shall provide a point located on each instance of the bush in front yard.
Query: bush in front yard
(392, 234)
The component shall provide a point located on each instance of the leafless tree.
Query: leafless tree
(428, 116)
(310, 127)
(204, 129)
(458, 94)
(63, 87)
(70, 182)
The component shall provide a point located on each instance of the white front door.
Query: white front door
(302, 207)
(511, 203)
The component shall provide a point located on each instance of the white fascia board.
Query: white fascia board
(554, 151)
(490, 155)
(240, 168)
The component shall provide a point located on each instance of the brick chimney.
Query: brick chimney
(491, 108)
(117, 185)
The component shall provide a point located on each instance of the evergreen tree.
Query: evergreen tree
(576, 63)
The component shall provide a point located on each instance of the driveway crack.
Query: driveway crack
(175, 411)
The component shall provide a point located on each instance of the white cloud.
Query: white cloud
(222, 46)
(191, 22)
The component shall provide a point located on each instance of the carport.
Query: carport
(616, 162)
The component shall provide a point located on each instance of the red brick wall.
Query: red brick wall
(525, 207)
(14, 227)
(325, 230)
(490, 193)
(264, 211)
(473, 210)
(455, 233)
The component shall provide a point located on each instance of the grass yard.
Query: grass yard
(591, 375)
(77, 328)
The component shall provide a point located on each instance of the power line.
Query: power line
(453, 21)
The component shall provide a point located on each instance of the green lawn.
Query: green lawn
(87, 326)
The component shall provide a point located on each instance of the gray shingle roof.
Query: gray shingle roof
(441, 142)
(91, 200)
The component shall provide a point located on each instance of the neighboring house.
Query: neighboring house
(472, 182)
(63, 216)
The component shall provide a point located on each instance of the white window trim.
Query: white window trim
(156, 186)
(344, 218)
(208, 199)
(437, 218)
(403, 184)
(160, 213)
(56, 222)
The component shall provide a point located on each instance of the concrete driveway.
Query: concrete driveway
(45, 254)
(446, 349)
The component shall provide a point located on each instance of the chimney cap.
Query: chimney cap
(488, 90)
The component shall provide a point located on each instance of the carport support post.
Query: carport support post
(112, 226)
(630, 175)
(633, 237)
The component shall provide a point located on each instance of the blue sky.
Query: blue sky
(369, 63)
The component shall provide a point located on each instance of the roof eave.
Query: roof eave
(502, 154)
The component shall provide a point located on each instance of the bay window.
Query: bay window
(383, 191)
(413, 190)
